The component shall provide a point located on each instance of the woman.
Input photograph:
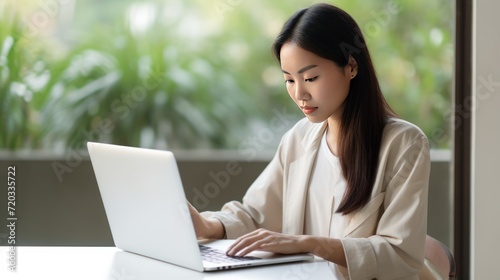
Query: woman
(349, 181)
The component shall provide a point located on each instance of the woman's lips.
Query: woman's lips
(308, 109)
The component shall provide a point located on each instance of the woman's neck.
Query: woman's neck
(332, 135)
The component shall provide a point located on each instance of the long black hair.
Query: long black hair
(331, 33)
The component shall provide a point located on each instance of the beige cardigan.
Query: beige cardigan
(383, 240)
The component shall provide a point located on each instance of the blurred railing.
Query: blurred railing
(51, 211)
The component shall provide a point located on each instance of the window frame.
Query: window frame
(462, 136)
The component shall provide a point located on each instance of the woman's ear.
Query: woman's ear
(352, 67)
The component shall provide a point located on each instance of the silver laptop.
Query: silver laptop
(148, 215)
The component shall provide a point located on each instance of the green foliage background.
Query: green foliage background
(194, 74)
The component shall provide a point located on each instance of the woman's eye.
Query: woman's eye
(288, 81)
(311, 79)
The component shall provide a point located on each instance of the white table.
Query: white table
(110, 263)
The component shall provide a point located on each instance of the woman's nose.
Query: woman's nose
(301, 92)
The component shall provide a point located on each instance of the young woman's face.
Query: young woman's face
(317, 85)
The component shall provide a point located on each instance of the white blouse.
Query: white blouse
(326, 190)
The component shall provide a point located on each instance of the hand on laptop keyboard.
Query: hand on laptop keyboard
(213, 255)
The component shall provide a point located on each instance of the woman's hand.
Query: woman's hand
(270, 241)
(330, 249)
(204, 228)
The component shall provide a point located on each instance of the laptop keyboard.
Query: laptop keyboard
(210, 254)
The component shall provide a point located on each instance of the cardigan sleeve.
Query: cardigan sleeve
(262, 205)
(396, 249)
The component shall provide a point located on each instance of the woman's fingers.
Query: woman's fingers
(243, 242)
(263, 244)
(266, 241)
(255, 240)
